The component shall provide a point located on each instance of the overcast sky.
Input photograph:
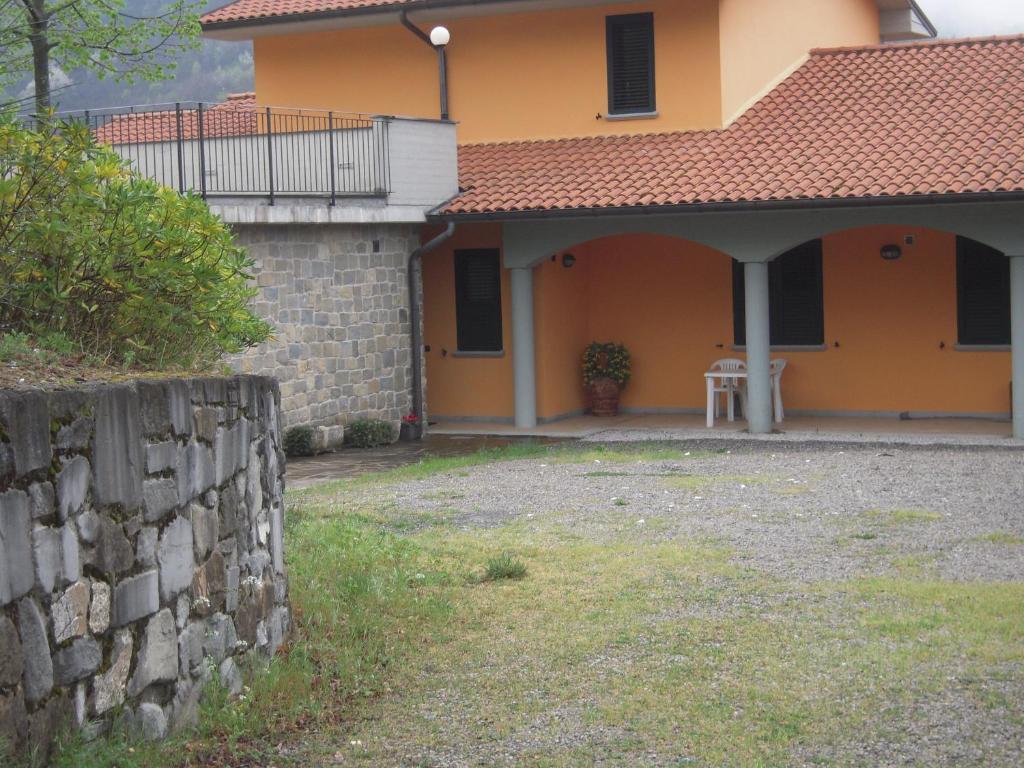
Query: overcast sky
(962, 18)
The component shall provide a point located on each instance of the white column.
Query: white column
(759, 390)
(523, 364)
(1017, 342)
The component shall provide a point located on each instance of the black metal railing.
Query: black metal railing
(237, 149)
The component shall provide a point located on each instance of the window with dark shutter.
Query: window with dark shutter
(630, 63)
(982, 294)
(478, 300)
(796, 298)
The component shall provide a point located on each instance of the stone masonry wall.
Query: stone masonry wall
(141, 547)
(338, 299)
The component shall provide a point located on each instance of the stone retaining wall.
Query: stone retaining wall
(141, 548)
(338, 299)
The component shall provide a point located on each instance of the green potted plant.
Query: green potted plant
(606, 369)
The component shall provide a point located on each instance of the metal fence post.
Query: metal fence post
(181, 157)
(270, 158)
(202, 153)
(330, 144)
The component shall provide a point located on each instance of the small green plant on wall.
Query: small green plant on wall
(606, 370)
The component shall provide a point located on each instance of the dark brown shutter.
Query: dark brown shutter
(630, 43)
(796, 298)
(478, 300)
(982, 294)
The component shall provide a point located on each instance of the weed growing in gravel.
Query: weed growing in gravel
(620, 502)
(1000, 537)
(504, 566)
(865, 536)
(903, 516)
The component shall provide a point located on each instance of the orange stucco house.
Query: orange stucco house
(696, 179)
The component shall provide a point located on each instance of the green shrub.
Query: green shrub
(298, 441)
(124, 269)
(369, 433)
(504, 566)
(606, 360)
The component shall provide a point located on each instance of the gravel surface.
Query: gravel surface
(800, 514)
(809, 513)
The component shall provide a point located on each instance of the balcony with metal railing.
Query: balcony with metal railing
(242, 157)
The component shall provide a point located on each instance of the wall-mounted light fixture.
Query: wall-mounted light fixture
(568, 260)
(891, 252)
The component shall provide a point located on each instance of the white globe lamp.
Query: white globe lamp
(440, 36)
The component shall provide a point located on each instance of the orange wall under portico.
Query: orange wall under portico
(890, 329)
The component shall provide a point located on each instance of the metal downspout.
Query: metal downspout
(412, 274)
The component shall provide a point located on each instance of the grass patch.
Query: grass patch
(1001, 537)
(902, 516)
(865, 536)
(504, 566)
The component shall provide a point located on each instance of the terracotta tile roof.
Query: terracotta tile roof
(236, 116)
(936, 118)
(249, 10)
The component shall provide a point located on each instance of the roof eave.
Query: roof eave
(439, 215)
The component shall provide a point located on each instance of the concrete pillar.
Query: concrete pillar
(1017, 342)
(523, 356)
(759, 390)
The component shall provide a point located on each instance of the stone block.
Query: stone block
(195, 472)
(220, 637)
(110, 687)
(26, 418)
(72, 486)
(209, 586)
(41, 500)
(205, 530)
(71, 563)
(175, 556)
(158, 654)
(161, 457)
(99, 608)
(113, 553)
(159, 498)
(231, 449)
(70, 613)
(75, 436)
(145, 546)
(136, 598)
(179, 405)
(190, 648)
(17, 574)
(230, 676)
(228, 508)
(277, 537)
(154, 407)
(328, 438)
(46, 546)
(89, 525)
(117, 460)
(13, 723)
(10, 654)
(150, 723)
(35, 649)
(206, 424)
(77, 661)
(231, 589)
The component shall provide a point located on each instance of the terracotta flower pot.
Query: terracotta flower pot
(604, 397)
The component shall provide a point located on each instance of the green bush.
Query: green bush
(369, 433)
(124, 269)
(298, 441)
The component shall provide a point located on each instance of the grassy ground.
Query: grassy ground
(617, 648)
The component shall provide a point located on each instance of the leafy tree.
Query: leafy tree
(128, 270)
(100, 36)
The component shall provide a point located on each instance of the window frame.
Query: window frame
(966, 249)
(776, 301)
(611, 24)
(460, 258)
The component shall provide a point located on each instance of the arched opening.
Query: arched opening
(873, 321)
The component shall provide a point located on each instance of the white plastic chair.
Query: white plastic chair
(776, 369)
(730, 386)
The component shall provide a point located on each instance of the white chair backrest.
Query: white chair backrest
(729, 364)
(778, 366)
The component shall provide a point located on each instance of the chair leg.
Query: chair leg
(779, 414)
(731, 404)
(711, 404)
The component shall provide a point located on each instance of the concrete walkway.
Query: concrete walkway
(832, 429)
